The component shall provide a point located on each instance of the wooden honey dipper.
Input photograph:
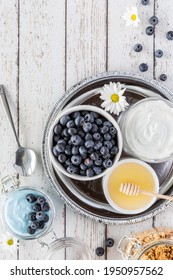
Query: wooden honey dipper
(133, 190)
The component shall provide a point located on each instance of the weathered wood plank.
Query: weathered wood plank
(42, 72)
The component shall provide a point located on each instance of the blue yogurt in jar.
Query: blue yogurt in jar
(17, 210)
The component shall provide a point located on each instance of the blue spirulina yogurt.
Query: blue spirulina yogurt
(17, 214)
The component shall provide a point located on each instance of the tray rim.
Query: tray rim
(58, 107)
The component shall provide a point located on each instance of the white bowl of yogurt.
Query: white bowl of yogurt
(147, 129)
(16, 211)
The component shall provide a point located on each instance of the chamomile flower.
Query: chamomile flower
(131, 17)
(114, 101)
(8, 242)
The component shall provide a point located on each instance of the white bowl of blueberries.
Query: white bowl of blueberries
(85, 142)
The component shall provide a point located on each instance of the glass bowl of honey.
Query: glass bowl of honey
(131, 171)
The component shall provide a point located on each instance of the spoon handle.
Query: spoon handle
(8, 112)
(157, 195)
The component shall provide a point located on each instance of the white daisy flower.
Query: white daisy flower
(131, 17)
(8, 242)
(114, 102)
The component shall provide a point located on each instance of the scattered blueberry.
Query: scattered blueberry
(163, 77)
(143, 67)
(30, 230)
(153, 20)
(138, 48)
(169, 35)
(71, 169)
(109, 242)
(150, 30)
(41, 199)
(40, 216)
(107, 163)
(31, 198)
(76, 160)
(159, 53)
(144, 2)
(41, 225)
(100, 251)
(46, 218)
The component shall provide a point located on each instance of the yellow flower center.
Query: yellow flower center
(115, 97)
(10, 242)
(133, 17)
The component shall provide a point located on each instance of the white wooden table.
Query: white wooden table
(46, 46)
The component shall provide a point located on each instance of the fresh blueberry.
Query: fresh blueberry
(70, 124)
(62, 158)
(46, 218)
(75, 115)
(41, 225)
(76, 140)
(94, 128)
(40, 216)
(70, 143)
(89, 118)
(98, 145)
(104, 129)
(97, 170)
(150, 30)
(100, 251)
(71, 169)
(81, 133)
(72, 131)
(90, 150)
(109, 242)
(57, 129)
(104, 150)
(30, 230)
(64, 119)
(114, 150)
(138, 48)
(94, 156)
(79, 121)
(34, 224)
(83, 167)
(75, 150)
(98, 162)
(143, 67)
(95, 115)
(31, 198)
(163, 77)
(89, 172)
(56, 138)
(153, 20)
(159, 53)
(87, 127)
(82, 150)
(68, 162)
(89, 144)
(36, 207)
(84, 112)
(107, 163)
(96, 136)
(68, 150)
(88, 162)
(41, 199)
(98, 121)
(32, 216)
(107, 123)
(88, 136)
(82, 172)
(60, 148)
(55, 152)
(169, 35)
(76, 160)
(107, 136)
(144, 2)
(108, 144)
(45, 207)
(106, 156)
(65, 132)
(61, 141)
(112, 131)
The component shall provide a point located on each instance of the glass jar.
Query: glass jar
(16, 209)
(153, 244)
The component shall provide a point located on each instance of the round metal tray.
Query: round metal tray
(86, 197)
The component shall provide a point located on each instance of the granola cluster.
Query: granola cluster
(159, 252)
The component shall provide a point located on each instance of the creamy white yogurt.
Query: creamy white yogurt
(149, 130)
